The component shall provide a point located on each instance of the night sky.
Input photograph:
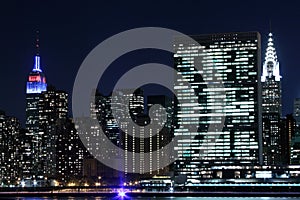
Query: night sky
(69, 30)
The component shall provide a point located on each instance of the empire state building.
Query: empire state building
(36, 84)
(271, 105)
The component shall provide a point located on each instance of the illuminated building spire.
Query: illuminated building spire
(271, 64)
(37, 67)
(36, 80)
(37, 43)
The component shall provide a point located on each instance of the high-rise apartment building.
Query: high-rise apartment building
(9, 159)
(230, 64)
(69, 152)
(271, 106)
(26, 157)
(53, 106)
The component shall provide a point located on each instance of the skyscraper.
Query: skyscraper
(160, 138)
(234, 59)
(271, 105)
(36, 84)
(295, 143)
(130, 142)
(101, 111)
(289, 142)
(297, 111)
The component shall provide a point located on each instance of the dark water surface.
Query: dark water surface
(144, 198)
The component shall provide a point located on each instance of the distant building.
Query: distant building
(129, 134)
(141, 138)
(53, 106)
(69, 152)
(296, 113)
(271, 106)
(231, 58)
(295, 143)
(9, 160)
(25, 154)
(92, 168)
(164, 136)
(287, 142)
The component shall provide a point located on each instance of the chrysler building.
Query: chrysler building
(271, 105)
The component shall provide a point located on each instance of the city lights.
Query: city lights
(121, 193)
(254, 146)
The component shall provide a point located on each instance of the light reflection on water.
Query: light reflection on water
(146, 198)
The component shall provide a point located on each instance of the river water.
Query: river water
(146, 198)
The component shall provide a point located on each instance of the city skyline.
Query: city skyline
(167, 99)
(224, 119)
(235, 149)
(66, 39)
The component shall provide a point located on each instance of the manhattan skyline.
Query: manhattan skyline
(69, 31)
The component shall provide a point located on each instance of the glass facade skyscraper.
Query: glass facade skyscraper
(231, 58)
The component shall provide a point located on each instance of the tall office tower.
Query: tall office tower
(297, 111)
(231, 58)
(289, 148)
(101, 111)
(271, 105)
(106, 119)
(9, 134)
(129, 133)
(53, 106)
(161, 137)
(36, 84)
(295, 144)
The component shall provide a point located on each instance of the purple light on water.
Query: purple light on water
(121, 193)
